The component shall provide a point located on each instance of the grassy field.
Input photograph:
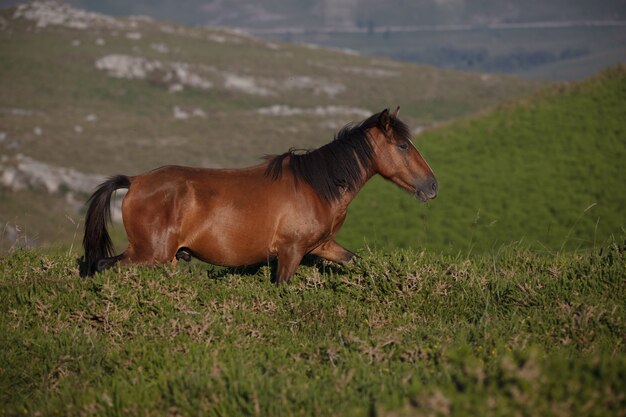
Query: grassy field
(547, 171)
(402, 333)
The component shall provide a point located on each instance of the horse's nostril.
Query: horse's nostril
(434, 187)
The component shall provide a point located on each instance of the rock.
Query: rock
(178, 74)
(184, 114)
(22, 172)
(322, 111)
(53, 13)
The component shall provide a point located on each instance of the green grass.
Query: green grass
(548, 171)
(402, 333)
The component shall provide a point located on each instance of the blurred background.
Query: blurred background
(519, 107)
(554, 39)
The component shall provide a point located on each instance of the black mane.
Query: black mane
(338, 164)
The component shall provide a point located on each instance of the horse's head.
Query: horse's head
(398, 160)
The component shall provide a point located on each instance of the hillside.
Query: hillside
(553, 39)
(312, 15)
(541, 50)
(547, 171)
(402, 334)
(85, 95)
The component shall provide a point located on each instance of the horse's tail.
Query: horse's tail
(97, 242)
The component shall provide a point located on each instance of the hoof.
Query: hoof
(106, 263)
(184, 255)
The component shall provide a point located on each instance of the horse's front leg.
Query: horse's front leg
(288, 260)
(334, 252)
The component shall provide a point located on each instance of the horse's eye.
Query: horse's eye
(403, 146)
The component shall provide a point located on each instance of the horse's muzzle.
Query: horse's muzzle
(427, 189)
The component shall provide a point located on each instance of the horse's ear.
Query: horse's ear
(396, 112)
(383, 120)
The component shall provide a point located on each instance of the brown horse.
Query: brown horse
(289, 206)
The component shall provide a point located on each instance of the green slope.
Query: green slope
(548, 171)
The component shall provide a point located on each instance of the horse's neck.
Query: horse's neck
(349, 195)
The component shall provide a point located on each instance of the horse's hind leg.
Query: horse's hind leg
(148, 252)
(107, 263)
(129, 256)
(151, 245)
(151, 253)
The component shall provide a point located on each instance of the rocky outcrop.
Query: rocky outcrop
(22, 172)
(174, 75)
(321, 111)
(53, 13)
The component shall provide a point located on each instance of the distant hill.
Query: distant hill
(541, 50)
(547, 171)
(85, 95)
(547, 39)
(316, 14)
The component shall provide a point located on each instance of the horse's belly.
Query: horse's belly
(243, 230)
(220, 253)
(233, 244)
